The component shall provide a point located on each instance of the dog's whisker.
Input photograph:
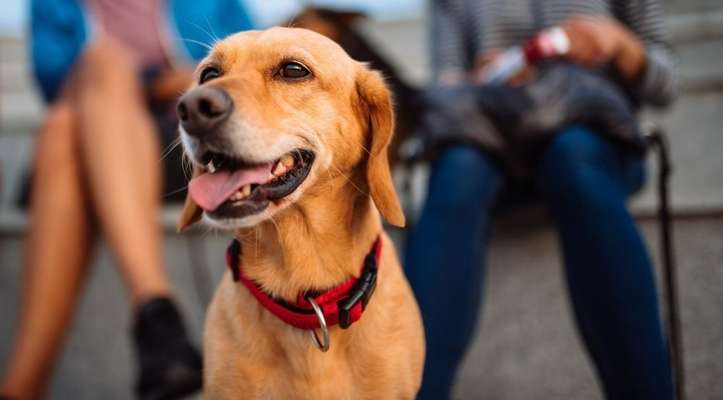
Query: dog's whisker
(186, 166)
(214, 38)
(350, 140)
(290, 23)
(365, 149)
(331, 181)
(171, 193)
(349, 180)
(211, 231)
(175, 143)
(198, 42)
(207, 230)
(276, 226)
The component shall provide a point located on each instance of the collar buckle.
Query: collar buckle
(360, 293)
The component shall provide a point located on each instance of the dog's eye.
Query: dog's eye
(209, 73)
(293, 70)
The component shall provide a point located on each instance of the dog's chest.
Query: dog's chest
(326, 391)
(313, 380)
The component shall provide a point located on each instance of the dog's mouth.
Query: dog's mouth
(233, 188)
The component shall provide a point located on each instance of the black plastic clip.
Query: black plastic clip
(362, 291)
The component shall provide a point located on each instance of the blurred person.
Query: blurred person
(110, 72)
(581, 174)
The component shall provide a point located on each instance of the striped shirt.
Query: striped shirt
(464, 30)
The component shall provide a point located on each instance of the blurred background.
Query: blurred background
(527, 346)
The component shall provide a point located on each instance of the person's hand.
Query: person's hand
(520, 78)
(170, 83)
(595, 41)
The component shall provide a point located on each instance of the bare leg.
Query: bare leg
(122, 167)
(119, 149)
(98, 154)
(56, 255)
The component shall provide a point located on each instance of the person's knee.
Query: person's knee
(58, 117)
(463, 178)
(57, 137)
(575, 147)
(105, 66)
(570, 159)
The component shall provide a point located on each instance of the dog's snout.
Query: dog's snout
(203, 109)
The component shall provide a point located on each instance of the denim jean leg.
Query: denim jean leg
(585, 181)
(444, 259)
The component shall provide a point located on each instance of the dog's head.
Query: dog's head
(276, 113)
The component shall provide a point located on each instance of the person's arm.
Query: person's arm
(633, 42)
(171, 83)
(447, 45)
(657, 83)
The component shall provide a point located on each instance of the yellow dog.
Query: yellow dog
(288, 136)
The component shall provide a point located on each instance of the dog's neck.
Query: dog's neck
(311, 245)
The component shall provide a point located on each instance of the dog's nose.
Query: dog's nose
(203, 109)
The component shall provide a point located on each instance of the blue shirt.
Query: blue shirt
(60, 29)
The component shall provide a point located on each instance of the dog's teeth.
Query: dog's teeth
(245, 190)
(279, 169)
(210, 167)
(287, 161)
(241, 193)
(283, 165)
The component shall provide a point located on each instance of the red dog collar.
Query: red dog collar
(341, 305)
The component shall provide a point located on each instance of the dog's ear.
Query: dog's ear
(377, 115)
(191, 212)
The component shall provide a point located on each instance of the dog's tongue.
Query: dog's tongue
(210, 190)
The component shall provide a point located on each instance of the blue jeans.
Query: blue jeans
(584, 182)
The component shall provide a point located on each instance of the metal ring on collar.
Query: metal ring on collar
(322, 343)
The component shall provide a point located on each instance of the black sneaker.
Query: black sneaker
(170, 366)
